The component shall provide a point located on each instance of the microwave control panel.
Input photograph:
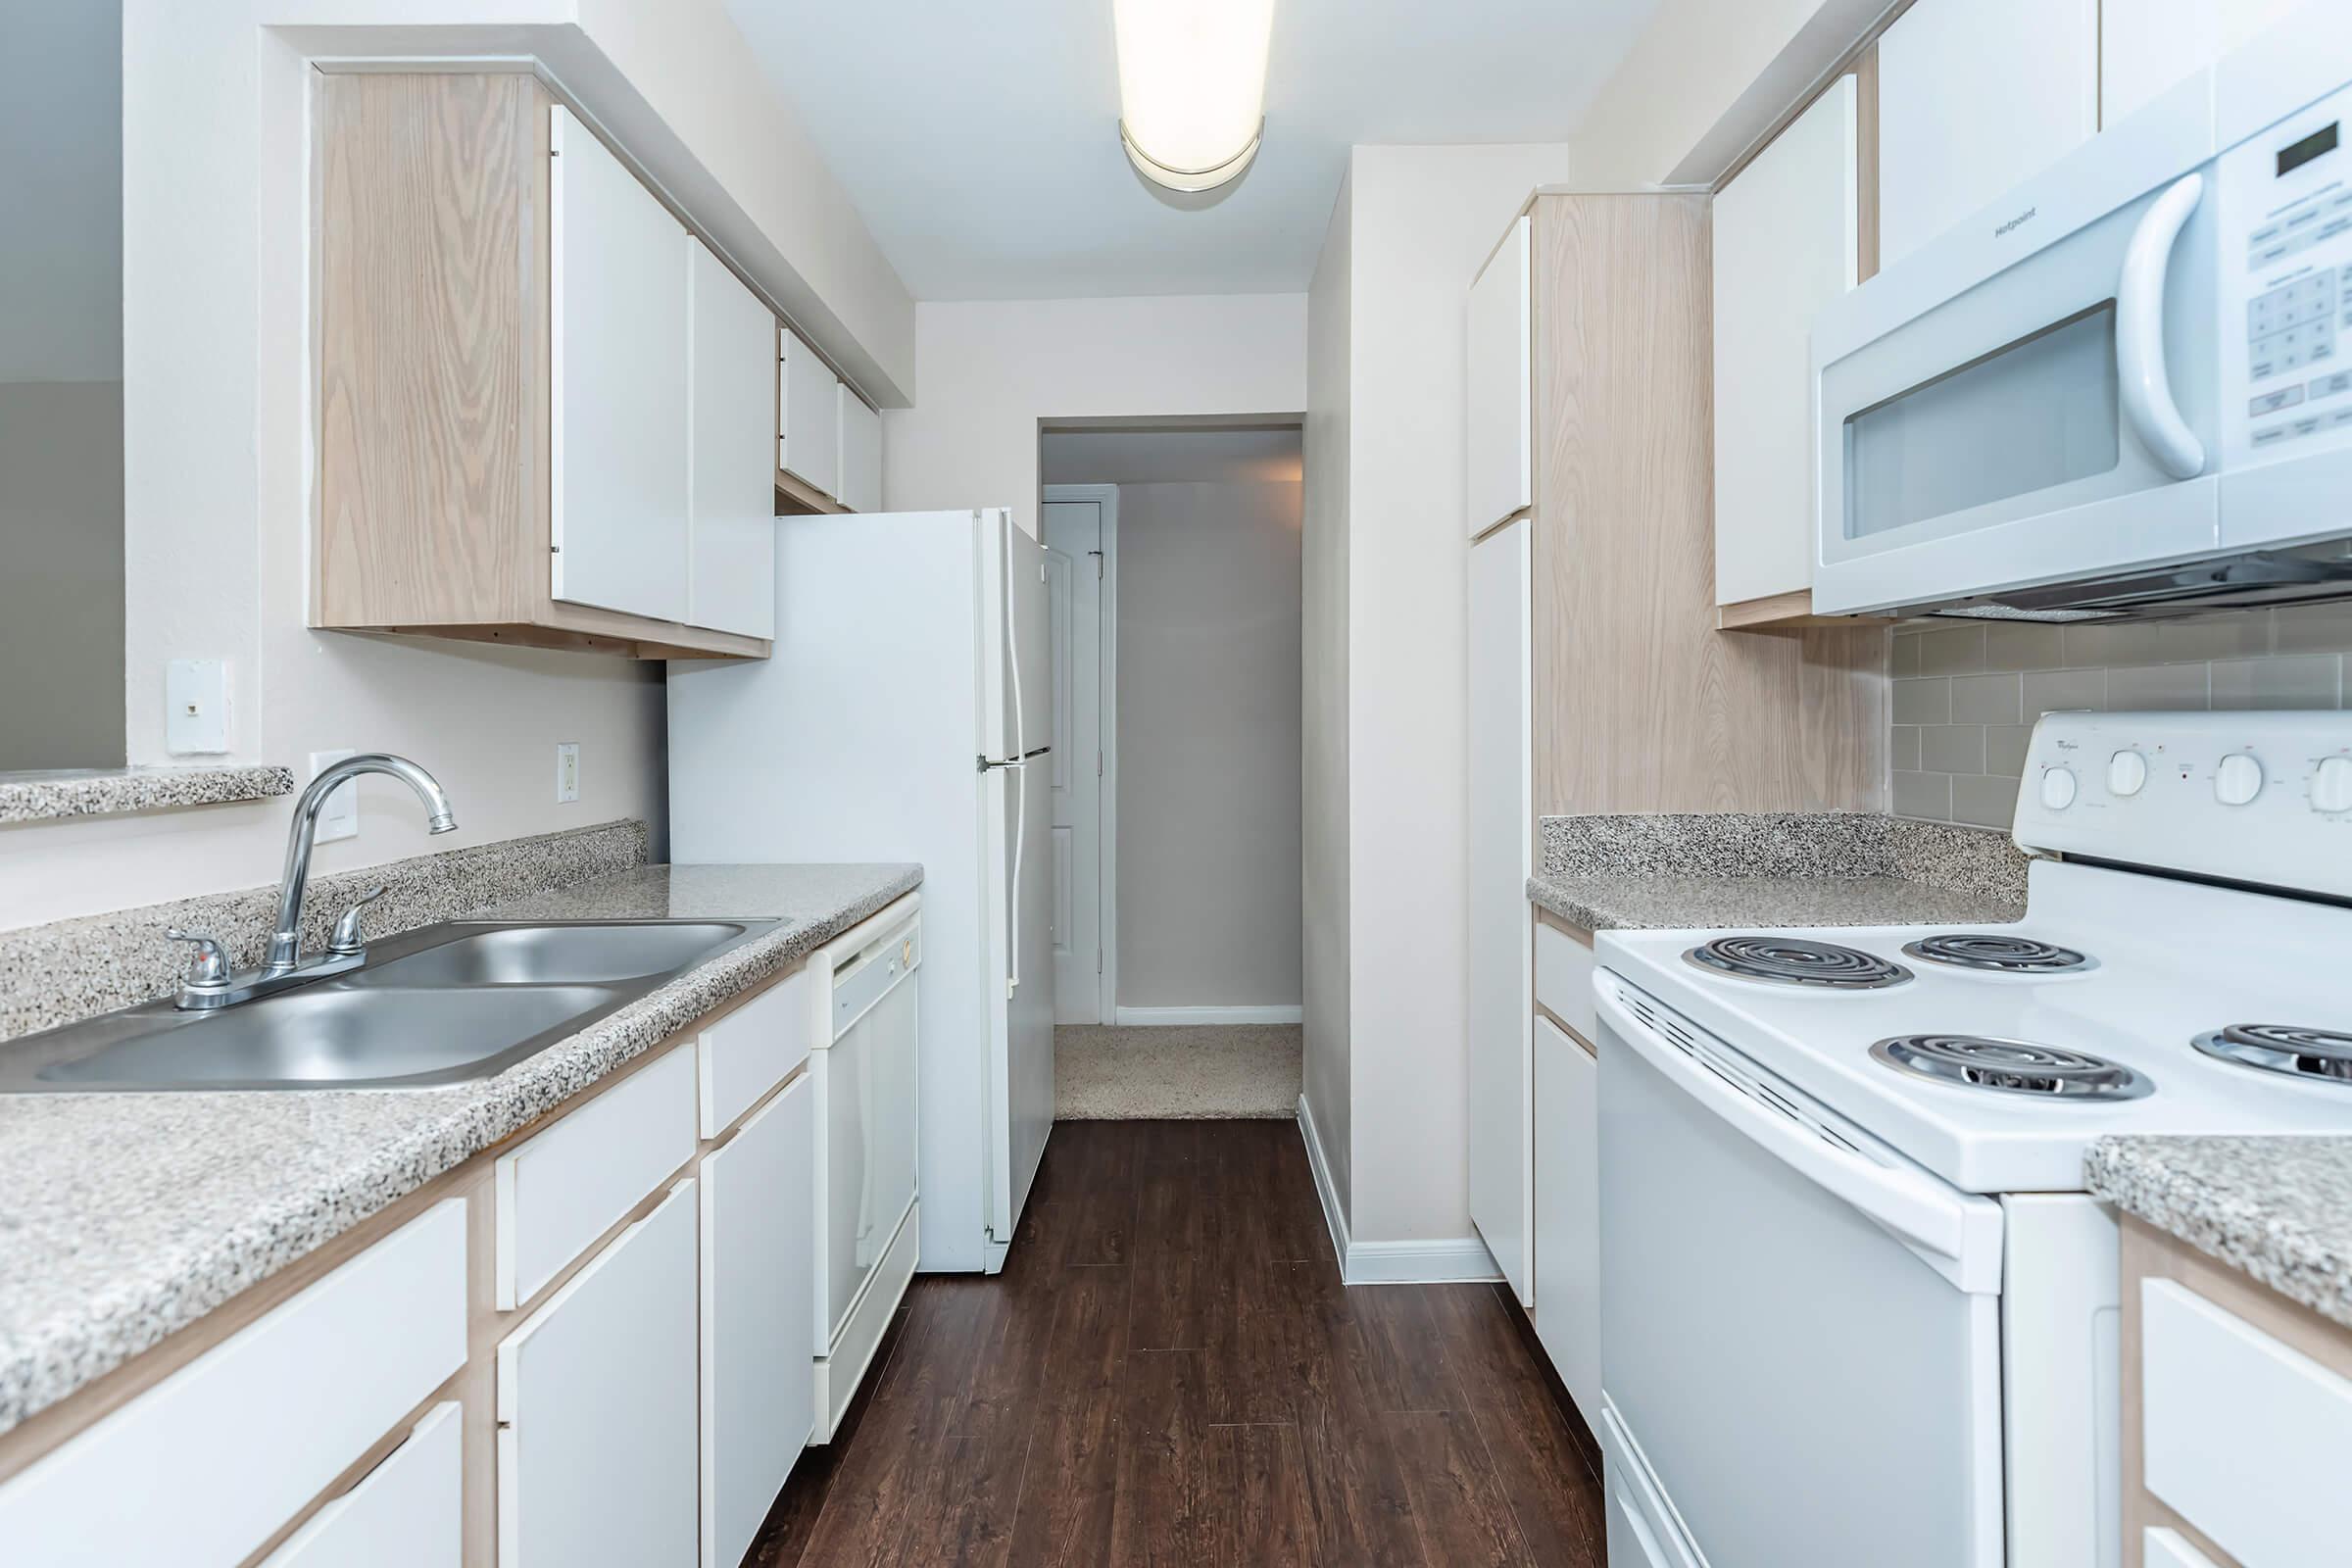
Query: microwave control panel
(2287, 265)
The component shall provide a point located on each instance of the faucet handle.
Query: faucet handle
(347, 942)
(209, 967)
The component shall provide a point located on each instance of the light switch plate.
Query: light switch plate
(339, 818)
(568, 771)
(196, 706)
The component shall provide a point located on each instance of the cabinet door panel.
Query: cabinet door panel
(1568, 1213)
(1973, 97)
(1786, 244)
(732, 557)
(759, 1315)
(810, 448)
(1501, 823)
(597, 1463)
(2149, 45)
(618, 374)
(1499, 435)
(861, 453)
(406, 1513)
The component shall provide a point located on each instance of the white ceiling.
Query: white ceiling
(980, 143)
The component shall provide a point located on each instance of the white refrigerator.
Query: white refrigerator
(904, 715)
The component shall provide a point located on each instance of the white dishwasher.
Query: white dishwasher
(863, 1068)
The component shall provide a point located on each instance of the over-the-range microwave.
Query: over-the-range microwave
(2126, 389)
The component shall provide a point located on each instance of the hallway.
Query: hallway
(1228, 1072)
(1170, 1371)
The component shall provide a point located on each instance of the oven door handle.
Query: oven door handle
(1956, 1234)
(2141, 375)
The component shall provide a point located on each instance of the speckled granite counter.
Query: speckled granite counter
(1774, 869)
(131, 1216)
(2278, 1208)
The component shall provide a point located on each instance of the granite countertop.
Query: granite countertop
(2278, 1208)
(1762, 870)
(129, 1216)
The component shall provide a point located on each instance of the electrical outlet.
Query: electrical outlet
(339, 818)
(568, 771)
(196, 706)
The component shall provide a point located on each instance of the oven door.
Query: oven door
(1800, 1347)
(1986, 420)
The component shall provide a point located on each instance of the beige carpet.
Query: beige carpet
(1192, 1073)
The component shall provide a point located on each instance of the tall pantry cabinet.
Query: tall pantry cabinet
(1598, 681)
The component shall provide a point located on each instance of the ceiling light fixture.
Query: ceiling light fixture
(1192, 87)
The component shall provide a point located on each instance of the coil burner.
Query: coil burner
(1797, 961)
(2324, 1055)
(2011, 1066)
(1992, 954)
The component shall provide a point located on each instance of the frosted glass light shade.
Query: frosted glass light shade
(1192, 87)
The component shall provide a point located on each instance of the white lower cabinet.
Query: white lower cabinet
(759, 1303)
(597, 1408)
(407, 1512)
(1567, 1227)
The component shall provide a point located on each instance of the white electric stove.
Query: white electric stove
(1856, 1308)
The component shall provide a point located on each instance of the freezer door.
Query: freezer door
(1026, 1075)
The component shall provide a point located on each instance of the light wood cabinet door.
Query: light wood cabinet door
(616, 278)
(597, 1408)
(1786, 242)
(809, 416)
(861, 452)
(1498, 455)
(1500, 825)
(1973, 97)
(1568, 1213)
(2146, 46)
(731, 560)
(758, 1299)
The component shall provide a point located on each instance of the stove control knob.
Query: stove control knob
(2332, 785)
(2237, 780)
(2126, 773)
(2058, 788)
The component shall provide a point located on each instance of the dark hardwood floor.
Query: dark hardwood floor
(1170, 1371)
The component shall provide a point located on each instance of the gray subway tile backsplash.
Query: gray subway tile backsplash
(1966, 698)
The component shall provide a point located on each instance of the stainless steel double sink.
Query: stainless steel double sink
(448, 1004)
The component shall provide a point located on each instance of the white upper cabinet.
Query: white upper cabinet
(2149, 45)
(617, 373)
(807, 415)
(1973, 97)
(1786, 242)
(861, 453)
(1499, 439)
(731, 562)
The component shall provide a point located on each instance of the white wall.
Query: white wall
(1704, 80)
(1422, 219)
(1323, 681)
(218, 468)
(993, 370)
(1208, 744)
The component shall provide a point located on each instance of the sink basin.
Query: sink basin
(448, 1004)
(333, 1037)
(555, 954)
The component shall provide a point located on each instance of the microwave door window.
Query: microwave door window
(2029, 415)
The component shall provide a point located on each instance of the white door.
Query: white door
(1567, 1212)
(1787, 233)
(1501, 936)
(597, 1413)
(1499, 465)
(732, 551)
(1074, 565)
(616, 280)
(1973, 97)
(758, 1305)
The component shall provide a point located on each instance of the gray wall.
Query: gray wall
(1208, 713)
(1966, 697)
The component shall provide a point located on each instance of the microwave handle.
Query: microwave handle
(2146, 386)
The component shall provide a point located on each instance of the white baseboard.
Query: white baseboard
(1443, 1261)
(1133, 1017)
